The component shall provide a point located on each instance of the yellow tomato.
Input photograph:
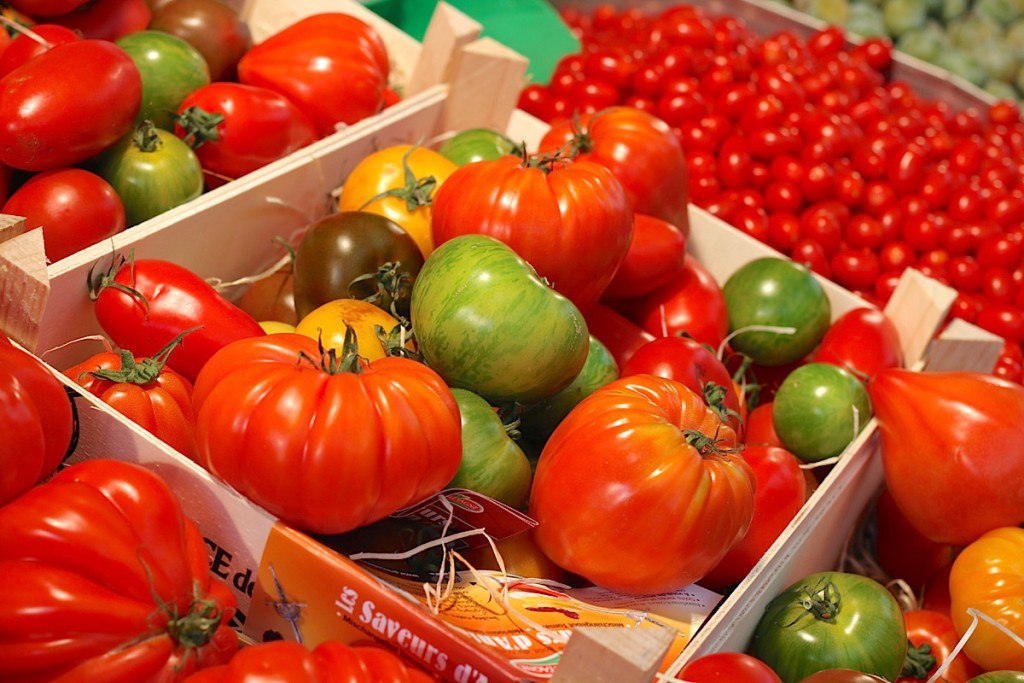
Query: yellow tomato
(521, 555)
(402, 172)
(327, 323)
(273, 326)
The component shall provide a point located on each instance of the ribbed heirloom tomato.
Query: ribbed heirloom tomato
(640, 489)
(326, 441)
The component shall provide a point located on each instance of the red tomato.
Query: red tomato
(36, 422)
(107, 19)
(937, 434)
(863, 341)
(780, 493)
(760, 429)
(104, 578)
(329, 661)
(656, 256)
(332, 66)
(728, 667)
(74, 208)
(690, 362)
(23, 49)
(144, 305)
(236, 129)
(639, 444)
(902, 551)
(693, 304)
(255, 392)
(152, 396)
(67, 104)
(569, 219)
(640, 150)
(620, 335)
(936, 593)
(936, 630)
(46, 8)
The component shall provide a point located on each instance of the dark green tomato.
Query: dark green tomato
(211, 27)
(485, 321)
(152, 171)
(355, 254)
(832, 620)
(477, 144)
(540, 419)
(492, 463)
(813, 412)
(780, 293)
(999, 677)
(170, 69)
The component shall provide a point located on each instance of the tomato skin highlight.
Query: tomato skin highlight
(728, 667)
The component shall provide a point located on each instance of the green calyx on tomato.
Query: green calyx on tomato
(415, 192)
(144, 371)
(492, 463)
(919, 662)
(200, 126)
(98, 282)
(385, 288)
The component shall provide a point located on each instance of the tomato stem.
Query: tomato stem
(331, 363)
(146, 137)
(919, 662)
(107, 280)
(392, 284)
(144, 371)
(415, 191)
(824, 603)
(706, 445)
(200, 126)
(714, 396)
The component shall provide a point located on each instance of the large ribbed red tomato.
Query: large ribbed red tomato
(332, 66)
(104, 578)
(570, 220)
(35, 421)
(640, 150)
(641, 488)
(327, 443)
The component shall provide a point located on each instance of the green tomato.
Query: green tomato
(953, 9)
(923, 43)
(903, 15)
(1000, 11)
(541, 419)
(492, 463)
(780, 293)
(866, 20)
(170, 69)
(832, 11)
(1001, 90)
(962, 64)
(152, 171)
(999, 677)
(477, 144)
(485, 321)
(813, 412)
(972, 30)
(832, 620)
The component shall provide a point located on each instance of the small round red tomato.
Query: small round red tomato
(728, 667)
(854, 269)
(655, 257)
(693, 304)
(760, 430)
(23, 48)
(811, 253)
(936, 631)
(74, 208)
(863, 341)
(1003, 319)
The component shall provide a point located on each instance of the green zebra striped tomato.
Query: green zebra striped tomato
(170, 69)
(485, 321)
(477, 144)
(832, 620)
(999, 677)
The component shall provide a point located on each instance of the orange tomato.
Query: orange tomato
(327, 323)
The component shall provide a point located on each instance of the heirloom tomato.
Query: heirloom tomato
(693, 304)
(759, 430)
(270, 429)
(862, 341)
(688, 361)
(656, 257)
(641, 488)
(104, 578)
(399, 183)
(487, 322)
(832, 620)
(235, 129)
(170, 69)
(621, 336)
(640, 150)
(211, 27)
(23, 48)
(107, 19)
(540, 419)
(988, 576)
(477, 144)
(932, 637)
(67, 104)
(152, 171)
(728, 667)
(901, 549)
(938, 431)
(779, 293)
(328, 325)
(492, 463)
(332, 66)
(145, 304)
(569, 220)
(36, 421)
(145, 391)
(288, 662)
(74, 208)
(781, 492)
(818, 410)
(356, 254)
